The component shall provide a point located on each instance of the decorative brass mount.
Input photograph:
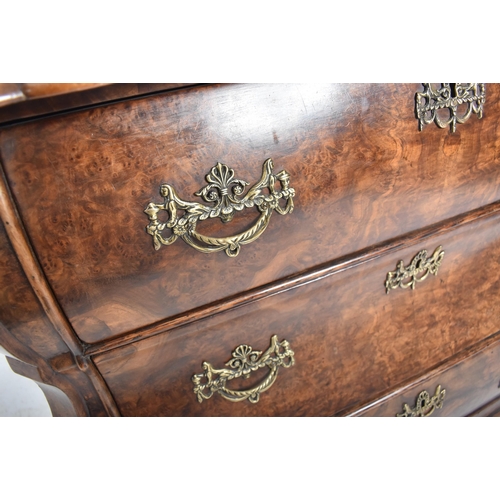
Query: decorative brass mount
(418, 270)
(425, 405)
(244, 361)
(450, 96)
(227, 201)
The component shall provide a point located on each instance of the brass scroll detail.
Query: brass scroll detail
(425, 405)
(419, 268)
(224, 192)
(244, 361)
(450, 96)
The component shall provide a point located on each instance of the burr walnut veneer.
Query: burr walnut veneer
(108, 325)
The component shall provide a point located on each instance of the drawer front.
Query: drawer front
(468, 385)
(351, 339)
(361, 170)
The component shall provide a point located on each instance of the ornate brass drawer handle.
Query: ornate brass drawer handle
(244, 361)
(425, 405)
(450, 96)
(419, 268)
(224, 192)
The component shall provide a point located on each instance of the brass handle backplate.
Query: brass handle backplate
(244, 361)
(420, 267)
(425, 405)
(449, 97)
(224, 192)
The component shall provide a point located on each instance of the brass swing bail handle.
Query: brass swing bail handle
(224, 192)
(244, 361)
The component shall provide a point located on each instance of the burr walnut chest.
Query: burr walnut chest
(253, 250)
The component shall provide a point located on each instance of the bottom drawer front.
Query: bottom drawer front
(458, 389)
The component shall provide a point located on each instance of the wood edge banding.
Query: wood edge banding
(18, 238)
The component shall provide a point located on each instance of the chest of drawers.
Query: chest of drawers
(255, 250)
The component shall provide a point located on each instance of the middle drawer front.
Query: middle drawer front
(351, 340)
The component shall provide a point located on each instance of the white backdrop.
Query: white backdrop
(19, 396)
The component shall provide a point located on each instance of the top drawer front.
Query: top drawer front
(362, 173)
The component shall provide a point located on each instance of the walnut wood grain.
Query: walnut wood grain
(298, 280)
(491, 409)
(352, 341)
(471, 381)
(38, 90)
(38, 283)
(31, 341)
(19, 240)
(14, 92)
(362, 171)
(31, 344)
(27, 101)
(20, 311)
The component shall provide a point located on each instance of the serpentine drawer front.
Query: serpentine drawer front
(398, 335)
(361, 170)
(253, 249)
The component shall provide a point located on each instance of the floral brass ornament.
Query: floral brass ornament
(425, 404)
(244, 361)
(225, 193)
(450, 96)
(420, 267)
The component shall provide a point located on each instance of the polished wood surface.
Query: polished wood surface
(297, 280)
(30, 100)
(491, 409)
(14, 92)
(471, 381)
(38, 90)
(10, 93)
(43, 292)
(362, 171)
(34, 348)
(352, 341)
(106, 325)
